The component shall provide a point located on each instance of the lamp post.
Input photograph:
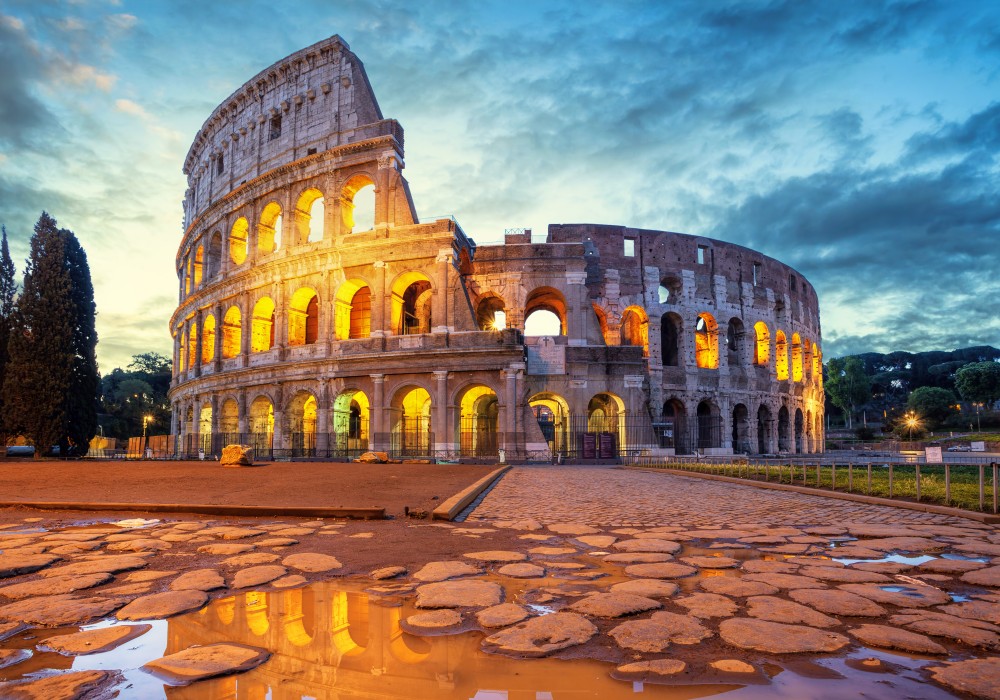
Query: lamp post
(145, 422)
(911, 423)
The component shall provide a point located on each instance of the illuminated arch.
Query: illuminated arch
(635, 328)
(303, 317)
(262, 416)
(478, 421)
(817, 365)
(309, 215)
(780, 356)
(552, 414)
(208, 339)
(411, 304)
(225, 609)
(762, 344)
(807, 360)
(549, 305)
(357, 204)
(411, 421)
(255, 606)
(229, 417)
(192, 358)
(350, 421)
(299, 615)
(796, 358)
(238, 237)
(213, 262)
(706, 342)
(182, 352)
(301, 419)
(269, 229)
(196, 266)
(602, 323)
(491, 314)
(232, 333)
(353, 315)
(205, 427)
(262, 325)
(606, 414)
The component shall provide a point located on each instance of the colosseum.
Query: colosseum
(320, 317)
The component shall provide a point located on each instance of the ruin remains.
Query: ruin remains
(318, 316)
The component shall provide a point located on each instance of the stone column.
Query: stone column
(511, 410)
(177, 357)
(635, 411)
(577, 318)
(378, 438)
(278, 437)
(199, 339)
(444, 439)
(241, 412)
(323, 418)
(217, 342)
(379, 302)
(246, 330)
(281, 317)
(440, 311)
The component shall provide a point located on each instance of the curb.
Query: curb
(457, 503)
(985, 518)
(205, 509)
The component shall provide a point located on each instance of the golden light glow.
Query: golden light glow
(353, 310)
(261, 415)
(780, 356)
(262, 326)
(635, 328)
(229, 417)
(796, 358)
(309, 213)
(192, 358)
(199, 260)
(238, 241)
(411, 304)
(706, 342)
(545, 299)
(351, 188)
(303, 317)
(762, 345)
(232, 333)
(208, 339)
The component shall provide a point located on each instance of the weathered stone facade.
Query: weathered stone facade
(301, 334)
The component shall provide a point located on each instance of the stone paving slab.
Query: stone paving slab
(617, 497)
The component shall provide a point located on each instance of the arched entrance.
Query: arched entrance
(672, 428)
(799, 432)
(350, 423)
(764, 430)
(709, 426)
(302, 424)
(478, 419)
(741, 429)
(411, 422)
(604, 437)
(261, 426)
(784, 443)
(552, 413)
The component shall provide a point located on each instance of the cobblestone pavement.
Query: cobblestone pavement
(610, 496)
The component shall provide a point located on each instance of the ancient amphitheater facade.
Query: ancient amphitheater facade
(315, 322)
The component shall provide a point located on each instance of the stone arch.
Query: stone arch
(238, 236)
(796, 358)
(491, 313)
(741, 429)
(478, 421)
(310, 211)
(670, 339)
(351, 210)
(255, 608)
(635, 328)
(764, 421)
(232, 333)
(351, 411)
(303, 317)
(300, 417)
(410, 425)
(411, 303)
(545, 300)
(799, 432)
(229, 417)
(602, 323)
(784, 430)
(669, 290)
(182, 351)
(262, 325)
(269, 229)
(261, 421)
(552, 415)
(192, 358)
(735, 336)
(709, 425)
(780, 356)
(208, 339)
(606, 415)
(817, 360)
(674, 426)
(299, 616)
(213, 261)
(706, 341)
(353, 316)
(197, 266)
(762, 344)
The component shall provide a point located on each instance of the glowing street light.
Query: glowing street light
(911, 422)
(146, 420)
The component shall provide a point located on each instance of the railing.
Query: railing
(969, 486)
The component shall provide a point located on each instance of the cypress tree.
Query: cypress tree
(40, 368)
(8, 288)
(84, 389)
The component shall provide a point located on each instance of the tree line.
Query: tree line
(927, 387)
(48, 344)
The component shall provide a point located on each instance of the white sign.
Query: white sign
(979, 447)
(933, 455)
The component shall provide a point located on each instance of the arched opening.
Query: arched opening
(741, 429)
(182, 351)
(762, 344)
(734, 342)
(301, 418)
(262, 326)
(232, 333)
(764, 421)
(809, 443)
(604, 437)
(490, 314)
(780, 356)
(602, 323)
(672, 427)
(269, 229)
(303, 317)
(309, 215)
(350, 423)
(817, 365)
(545, 313)
(238, 241)
(807, 360)
(208, 339)
(706, 342)
(411, 421)
(214, 261)
(256, 605)
(784, 430)
(192, 358)
(669, 290)
(635, 328)
(670, 329)
(353, 315)
(229, 421)
(205, 429)
(197, 265)
(261, 424)
(188, 284)
(552, 414)
(411, 304)
(709, 426)
(796, 358)
(357, 204)
(479, 413)
(299, 616)
(799, 432)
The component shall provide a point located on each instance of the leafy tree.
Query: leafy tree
(40, 368)
(8, 289)
(150, 363)
(847, 385)
(127, 396)
(979, 381)
(932, 404)
(82, 397)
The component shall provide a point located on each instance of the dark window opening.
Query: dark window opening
(275, 131)
(758, 276)
(310, 151)
(220, 165)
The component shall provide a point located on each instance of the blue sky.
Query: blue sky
(855, 141)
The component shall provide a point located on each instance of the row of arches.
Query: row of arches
(204, 260)
(763, 431)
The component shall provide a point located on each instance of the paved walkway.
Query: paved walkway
(621, 497)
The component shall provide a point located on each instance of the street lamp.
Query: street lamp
(145, 422)
(911, 422)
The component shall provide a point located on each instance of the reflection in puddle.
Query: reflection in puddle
(963, 557)
(916, 560)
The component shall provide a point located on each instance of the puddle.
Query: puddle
(134, 523)
(915, 560)
(963, 557)
(959, 598)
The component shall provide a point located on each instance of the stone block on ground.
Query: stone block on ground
(236, 456)
(208, 661)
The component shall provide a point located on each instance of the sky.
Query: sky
(856, 141)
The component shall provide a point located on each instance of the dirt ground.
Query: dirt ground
(327, 484)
